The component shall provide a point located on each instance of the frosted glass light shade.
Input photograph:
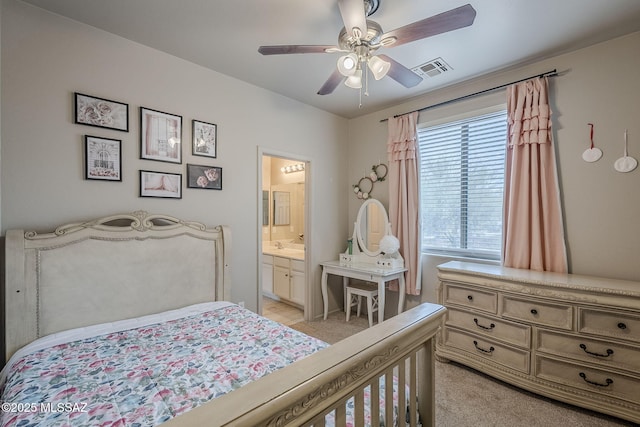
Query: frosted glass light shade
(354, 81)
(348, 64)
(379, 67)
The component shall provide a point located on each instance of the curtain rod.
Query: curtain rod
(551, 73)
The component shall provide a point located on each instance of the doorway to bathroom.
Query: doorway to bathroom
(283, 287)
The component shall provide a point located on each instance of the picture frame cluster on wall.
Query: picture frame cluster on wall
(160, 141)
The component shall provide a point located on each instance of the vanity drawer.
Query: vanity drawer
(297, 265)
(470, 297)
(609, 323)
(538, 312)
(281, 262)
(487, 348)
(590, 379)
(589, 349)
(513, 333)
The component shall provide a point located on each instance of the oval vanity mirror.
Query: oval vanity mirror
(371, 226)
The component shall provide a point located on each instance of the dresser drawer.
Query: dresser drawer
(487, 348)
(510, 332)
(588, 378)
(609, 323)
(589, 349)
(470, 297)
(538, 312)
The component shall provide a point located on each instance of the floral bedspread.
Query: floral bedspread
(150, 374)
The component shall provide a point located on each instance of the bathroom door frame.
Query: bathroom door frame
(264, 151)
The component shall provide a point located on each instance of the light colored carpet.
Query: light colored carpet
(467, 398)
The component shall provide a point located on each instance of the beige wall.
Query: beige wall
(45, 58)
(596, 85)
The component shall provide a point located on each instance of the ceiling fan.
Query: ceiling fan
(360, 38)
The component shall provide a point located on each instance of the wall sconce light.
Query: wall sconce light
(292, 168)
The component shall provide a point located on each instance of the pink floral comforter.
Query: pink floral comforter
(147, 375)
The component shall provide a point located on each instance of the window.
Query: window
(462, 181)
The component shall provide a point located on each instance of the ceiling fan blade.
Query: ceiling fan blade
(453, 19)
(292, 48)
(353, 15)
(332, 83)
(401, 74)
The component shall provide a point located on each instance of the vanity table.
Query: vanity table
(366, 272)
(373, 257)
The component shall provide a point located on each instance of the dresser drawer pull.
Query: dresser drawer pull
(482, 349)
(470, 297)
(584, 347)
(622, 325)
(491, 326)
(608, 381)
(534, 311)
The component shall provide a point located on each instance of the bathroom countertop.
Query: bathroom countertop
(297, 254)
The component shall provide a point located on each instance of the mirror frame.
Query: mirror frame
(361, 213)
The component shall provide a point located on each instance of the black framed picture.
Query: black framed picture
(204, 177)
(102, 158)
(160, 184)
(100, 112)
(160, 136)
(204, 139)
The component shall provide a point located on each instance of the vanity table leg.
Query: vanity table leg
(325, 296)
(401, 293)
(345, 283)
(381, 298)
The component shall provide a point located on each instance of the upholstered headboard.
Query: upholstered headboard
(112, 268)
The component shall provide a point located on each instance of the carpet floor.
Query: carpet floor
(467, 398)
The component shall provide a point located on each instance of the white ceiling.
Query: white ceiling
(224, 36)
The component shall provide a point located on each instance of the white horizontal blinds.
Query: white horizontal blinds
(462, 181)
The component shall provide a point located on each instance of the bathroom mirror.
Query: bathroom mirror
(372, 225)
(281, 208)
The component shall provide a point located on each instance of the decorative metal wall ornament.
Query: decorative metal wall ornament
(364, 187)
(379, 172)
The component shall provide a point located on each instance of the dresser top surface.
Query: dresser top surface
(543, 278)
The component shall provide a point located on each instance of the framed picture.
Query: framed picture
(204, 177)
(102, 158)
(100, 112)
(160, 184)
(160, 136)
(205, 139)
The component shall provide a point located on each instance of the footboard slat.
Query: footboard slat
(359, 408)
(402, 386)
(375, 397)
(388, 397)
(341, 414)
(413, 375)
(302, 393)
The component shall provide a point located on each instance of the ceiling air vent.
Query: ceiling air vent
(432, 68)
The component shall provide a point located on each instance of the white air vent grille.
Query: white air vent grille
(433, 68)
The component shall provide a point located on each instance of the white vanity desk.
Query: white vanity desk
(369, 273)
(372, 257)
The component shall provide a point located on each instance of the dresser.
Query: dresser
(569, 337)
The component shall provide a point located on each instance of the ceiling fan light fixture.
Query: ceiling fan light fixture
(354, 81)
(379, 67)
(348, 64)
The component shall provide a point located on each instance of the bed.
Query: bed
(121, 279)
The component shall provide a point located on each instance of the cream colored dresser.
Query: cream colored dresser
(569, 337)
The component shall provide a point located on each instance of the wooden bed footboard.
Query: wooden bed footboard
(303, 393)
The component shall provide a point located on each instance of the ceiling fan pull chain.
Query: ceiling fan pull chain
(366, 80)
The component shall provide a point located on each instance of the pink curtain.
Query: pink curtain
(403, 194)
(533, 236)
